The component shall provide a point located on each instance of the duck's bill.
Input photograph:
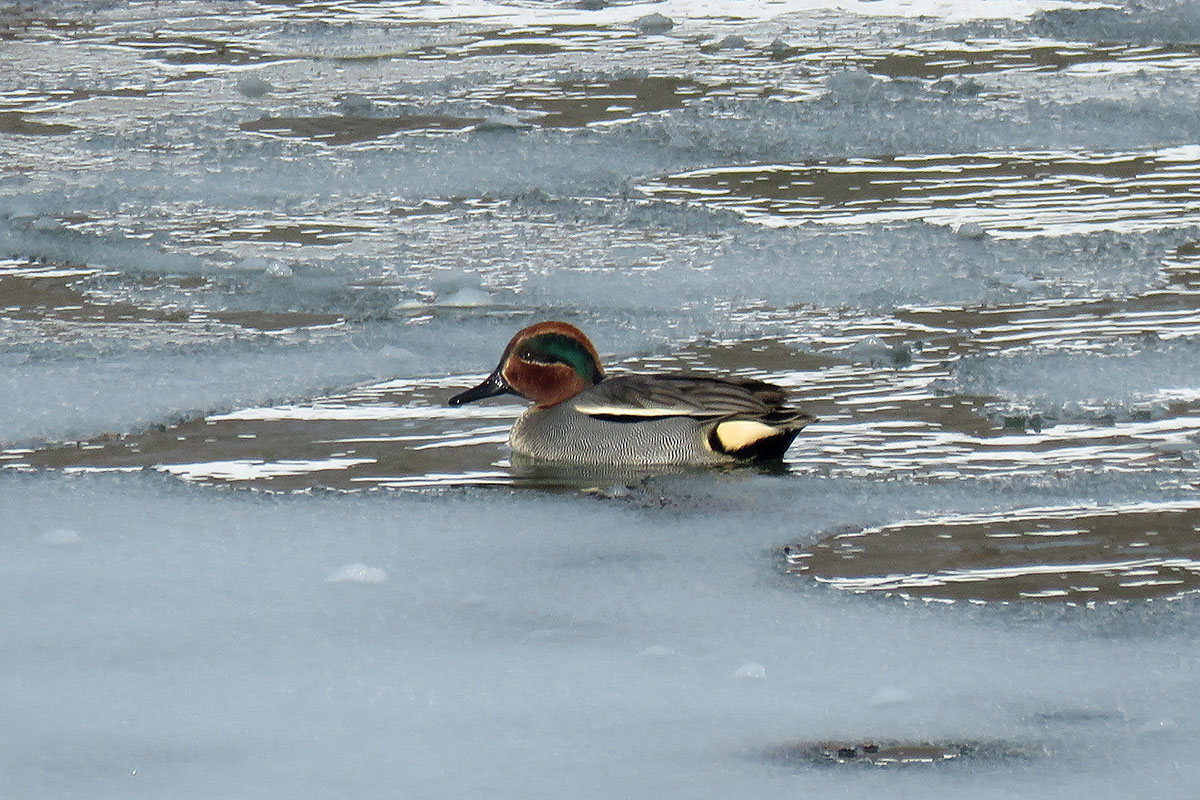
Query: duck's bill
(493, 385)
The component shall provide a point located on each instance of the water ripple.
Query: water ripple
(1008, 195)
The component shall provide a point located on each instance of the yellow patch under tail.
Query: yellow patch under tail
(737, 434)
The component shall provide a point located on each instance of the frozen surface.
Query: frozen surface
(255, 246)
(199, 643)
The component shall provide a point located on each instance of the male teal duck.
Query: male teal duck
(580, 416)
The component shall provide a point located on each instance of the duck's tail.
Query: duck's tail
(758, 439)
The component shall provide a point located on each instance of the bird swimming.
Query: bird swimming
(581, 416)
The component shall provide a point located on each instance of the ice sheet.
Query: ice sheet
(193, 643)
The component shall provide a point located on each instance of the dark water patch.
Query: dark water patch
(578, 103)
(1006, 194)
(19, 21)
(31, 99)
(1059, 324)
(896, 753)
(520, 41)
(528, 41)
(1182, 267)
(337, 130)
(1073, 555)
(192, 50)
(447, 208)
(393, 434)
(518, 47)
(765, 356)
(18, 124)
(269, 322)
(976, 57)
(56, 295)
(306, 233)
(66, 302)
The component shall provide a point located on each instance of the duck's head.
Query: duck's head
(547, 363)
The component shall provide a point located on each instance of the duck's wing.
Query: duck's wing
(639, 397)
(744, 418)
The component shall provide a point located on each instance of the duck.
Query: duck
(582, 416)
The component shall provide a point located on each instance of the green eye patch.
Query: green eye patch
(555, 348)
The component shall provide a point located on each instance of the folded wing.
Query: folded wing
(744, 418)
(649, 396)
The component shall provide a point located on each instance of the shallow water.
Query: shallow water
(258, 244)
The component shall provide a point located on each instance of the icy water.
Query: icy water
(256, 245)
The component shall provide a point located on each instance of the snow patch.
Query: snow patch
(61, 537)
(358, 573)
(750, 671)
(888, 696)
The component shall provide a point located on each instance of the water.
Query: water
(257, 245)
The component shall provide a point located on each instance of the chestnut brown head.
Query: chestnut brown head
(548, 362)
